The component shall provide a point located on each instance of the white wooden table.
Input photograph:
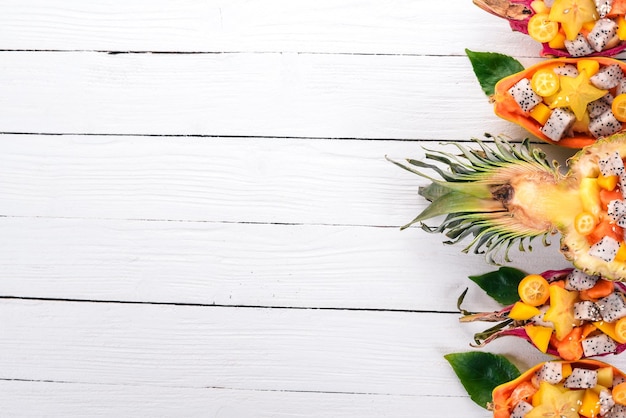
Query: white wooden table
(197, 217)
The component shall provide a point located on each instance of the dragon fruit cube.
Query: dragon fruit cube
(607, 77)
(612, 307)
(558, 123)
(578, 47)
(581, 379)
(605, 249)
(524, 95)
(587, 310)
(604, 125)
(611, 165)
(598, 345)
(579, 280)
(603, 31)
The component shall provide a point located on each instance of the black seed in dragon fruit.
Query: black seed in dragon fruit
(606, 401)
(558, 123)
(578, 47)
(603, 31)
(524, 95)
(607, 77)
(579, 280)
(566, 69)
(612, 307)
(587, 310)
(581, 379)
(616, 209)
(521, 409)
(604, 125)
(551, 372)
(605, 249)
(611, 164)
(598, 107)
(621, 222)
(618, 411)
(621, 87)
(603, 7)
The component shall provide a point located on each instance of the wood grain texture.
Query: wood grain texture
(368, 353)
(284, 95)
(326, 26)
(61, 400)
(243, 264)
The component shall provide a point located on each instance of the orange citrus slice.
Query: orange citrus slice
(584, 223)
(620, 330)
(619, 107)
(541, 28)
(534, 290)
(545, 82)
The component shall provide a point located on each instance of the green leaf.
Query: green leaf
(480, 373)
(501, 284)
(491, 67)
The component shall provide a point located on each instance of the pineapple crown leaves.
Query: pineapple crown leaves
(465, 194)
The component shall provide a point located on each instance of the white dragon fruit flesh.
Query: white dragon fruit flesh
(621, 222)
(603, 31)
(616, 209)
(603, 7)
(606, 401)
(521, 409)
(558, 123)
(581, 379)
(587, 310)
(551, 372)
(539, 318)
(578, 47)
(524, 95)
(605, 249)
(566, 69)
(579, 280)
(611, 164)
(621, 87)
(618, 411)
(604, 125)
(607, 77)
(612, 307)
(598, 107)
(598, 344)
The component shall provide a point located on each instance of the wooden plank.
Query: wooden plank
(27, 399)
(376, 353)
(284, 95)
(243, 264)
(262, 180)
(396, 27)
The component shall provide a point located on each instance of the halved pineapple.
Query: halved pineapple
(504, 195)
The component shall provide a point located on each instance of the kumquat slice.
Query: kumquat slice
(545, 82)
(534, 290)
(584, 223)
(618, 107)
(541, 28)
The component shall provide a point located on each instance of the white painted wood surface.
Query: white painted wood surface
(198, 219)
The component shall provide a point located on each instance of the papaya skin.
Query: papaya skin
(506, 107)
(501, 406)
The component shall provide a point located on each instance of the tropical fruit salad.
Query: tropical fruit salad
(572, 28)
(566, 313)
(563, 389)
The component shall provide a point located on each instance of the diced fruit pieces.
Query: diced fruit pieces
(539, 336)
(618, 107)
(597, 345)
(522, 311)
(590, 66)
(540, 113)
(581, 379)
(524, 95)
(557, 125)
(545, 82)
(608, 182)
(619, 393)
(605, 249)
(590, 406)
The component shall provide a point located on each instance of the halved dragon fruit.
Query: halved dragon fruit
(551, 23)
(586, 319)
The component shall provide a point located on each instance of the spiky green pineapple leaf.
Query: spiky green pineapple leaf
(480, 373)
(501, 284)
(491, 67)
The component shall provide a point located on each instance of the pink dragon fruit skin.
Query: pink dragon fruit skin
(519, 12)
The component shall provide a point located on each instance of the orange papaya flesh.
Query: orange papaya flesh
(507, 108)
(502, 401)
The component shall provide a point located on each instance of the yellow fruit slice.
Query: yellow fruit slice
(605, 376)
(534, 290)
(539, 335)
(585, 223)
(620, 330)
(619, 107)
(590, 66)
(590, 406)
(522, 311)
(608, 182)
(540, 113)
(541, 28)
(545, 82)
(619, 393)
